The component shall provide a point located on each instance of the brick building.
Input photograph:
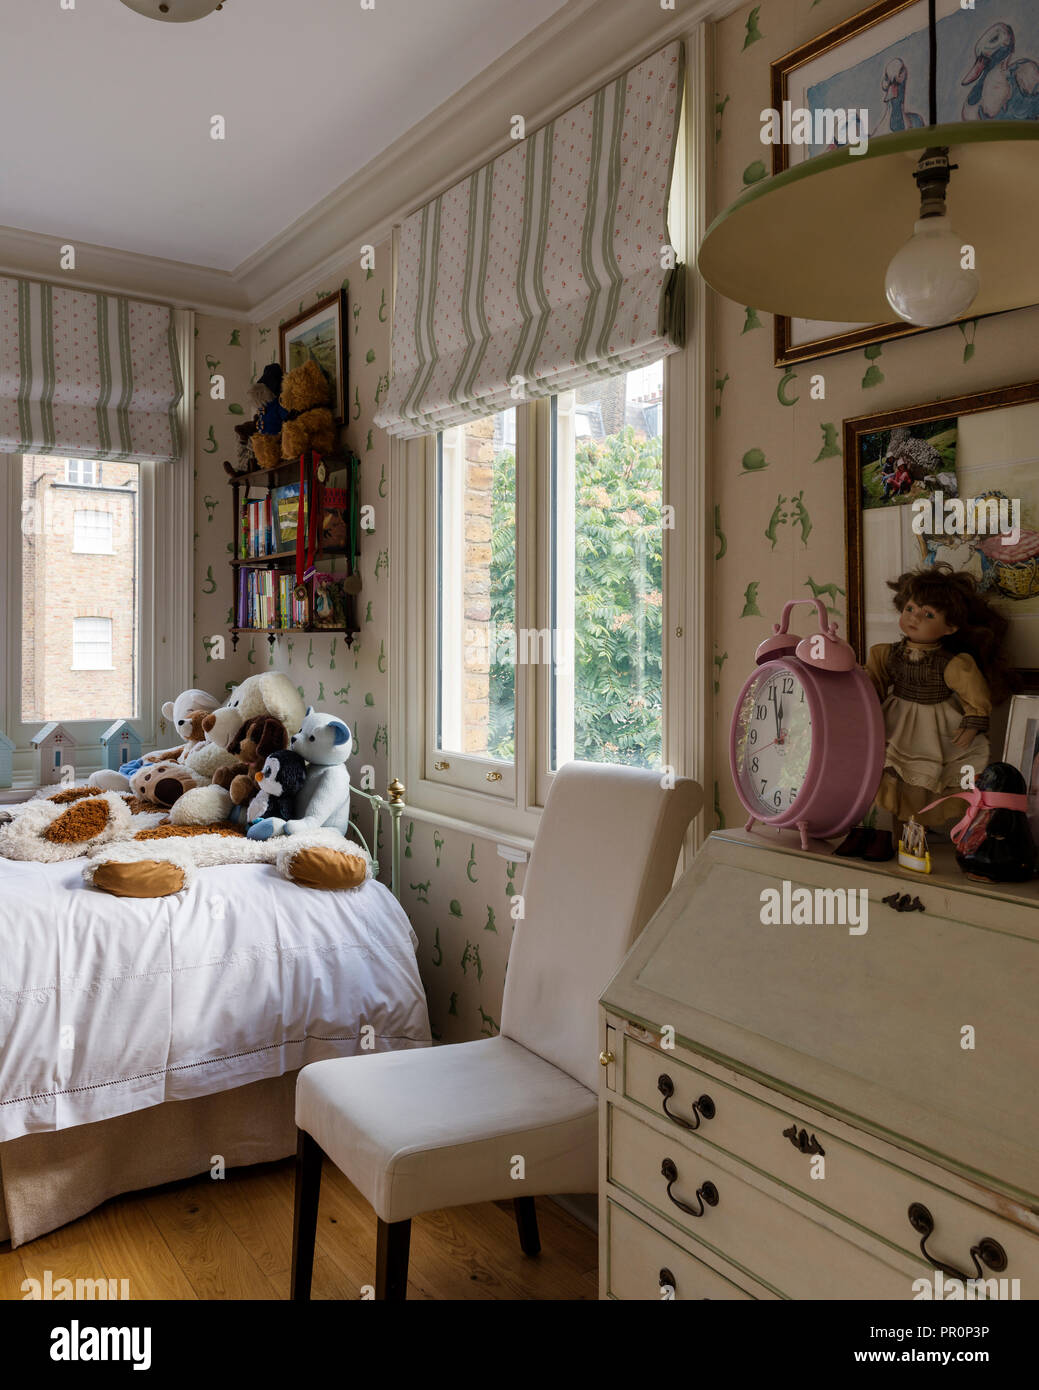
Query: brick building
(79, 589)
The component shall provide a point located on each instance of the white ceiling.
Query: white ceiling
(106, 114)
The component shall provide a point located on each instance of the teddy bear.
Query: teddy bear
(245, 459)
(218, 729)
(162, 783)
(280, 781)
(324, 801)
(254, 743)
(267, 693)
(180, 713)
(265, 440)
(308, 422)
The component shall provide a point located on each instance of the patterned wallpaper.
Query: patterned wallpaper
(777, 468)
(455, 889)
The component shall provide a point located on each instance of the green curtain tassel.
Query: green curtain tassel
(671, 319)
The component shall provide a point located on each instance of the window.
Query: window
(91, 644)
(92, 533)
(539, 615)
(82, 472)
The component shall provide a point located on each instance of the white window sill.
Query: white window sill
(77, 551)
(87, 668)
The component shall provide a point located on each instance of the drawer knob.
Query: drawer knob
(706, 1194)
(703, 1109)
(803, 1141)
(987, 1252)
(606, 1059)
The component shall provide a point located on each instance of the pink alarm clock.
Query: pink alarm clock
(806, 747)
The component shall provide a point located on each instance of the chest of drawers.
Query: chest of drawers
(797, 1111)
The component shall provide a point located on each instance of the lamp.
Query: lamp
(825, 240)
(174, 11)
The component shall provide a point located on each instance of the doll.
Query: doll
(937, 687)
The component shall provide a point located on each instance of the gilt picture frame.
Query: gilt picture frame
(878, 60)
(320, 333)
(988, 442)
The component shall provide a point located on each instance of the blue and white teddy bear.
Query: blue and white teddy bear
(324, 800)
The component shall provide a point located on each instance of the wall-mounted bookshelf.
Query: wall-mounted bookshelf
(295, 568)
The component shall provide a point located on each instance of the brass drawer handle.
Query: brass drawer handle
(606, 1059)
(494, 776)
(441, 766)
(706, 1194)
(803, 1141)
(987, 1252)
(703, 1109)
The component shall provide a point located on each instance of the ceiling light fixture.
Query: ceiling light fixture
(824, 239)
(174, 11)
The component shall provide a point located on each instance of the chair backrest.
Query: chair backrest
(603, 861)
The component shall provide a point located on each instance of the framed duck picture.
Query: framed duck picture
(319, 335)
(876, 64)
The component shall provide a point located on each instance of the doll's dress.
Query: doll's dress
(927, 695)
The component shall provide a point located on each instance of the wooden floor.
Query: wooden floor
(232, 1239)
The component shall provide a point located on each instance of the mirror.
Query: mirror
(954, 481)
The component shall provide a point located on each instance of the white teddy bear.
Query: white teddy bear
(178, 713)
(324, 801)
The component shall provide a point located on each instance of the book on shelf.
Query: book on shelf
(266, 598)
(257, 538)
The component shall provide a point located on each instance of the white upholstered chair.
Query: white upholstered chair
(416, 1131)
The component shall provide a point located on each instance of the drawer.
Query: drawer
(873, 1193)
(640, 1260)
(746, 1220)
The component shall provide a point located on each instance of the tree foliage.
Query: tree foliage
(617, 607)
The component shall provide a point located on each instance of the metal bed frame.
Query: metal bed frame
(394, 805)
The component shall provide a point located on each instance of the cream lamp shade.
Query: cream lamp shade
(174, 11)
(815, 241)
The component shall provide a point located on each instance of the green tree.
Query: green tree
(618, 615)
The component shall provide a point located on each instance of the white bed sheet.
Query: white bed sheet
(109, 1005)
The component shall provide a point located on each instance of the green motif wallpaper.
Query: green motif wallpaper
(455, 889)
(777, 454)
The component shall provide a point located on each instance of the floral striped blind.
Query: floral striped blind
(88, 375)
(548, 267)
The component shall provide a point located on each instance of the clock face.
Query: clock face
(773, 742)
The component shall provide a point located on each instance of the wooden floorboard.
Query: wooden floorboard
(232, 1239)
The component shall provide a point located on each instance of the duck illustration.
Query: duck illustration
(896, 117)
(999, 88)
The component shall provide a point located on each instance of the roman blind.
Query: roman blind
(548, 267)
(91, 375)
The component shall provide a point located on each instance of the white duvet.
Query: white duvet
(109, 1005)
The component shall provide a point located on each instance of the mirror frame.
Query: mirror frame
(1025, 393)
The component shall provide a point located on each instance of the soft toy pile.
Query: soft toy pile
(235, 771)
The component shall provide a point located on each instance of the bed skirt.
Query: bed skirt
(51, 1178)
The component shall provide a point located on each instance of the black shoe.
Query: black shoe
(854, 843)
(880, 847)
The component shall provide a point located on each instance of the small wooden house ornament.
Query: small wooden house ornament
(120, 743)
(6, 760)
(54, 749)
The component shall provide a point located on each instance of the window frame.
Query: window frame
(166, 526)
(92, 618)
(78, 549)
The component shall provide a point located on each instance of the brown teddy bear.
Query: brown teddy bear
(305, 393)
(161, 783)
(253, 743)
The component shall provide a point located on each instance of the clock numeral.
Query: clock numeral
(752, 737)
(802, 695)
(764, 784)
(793, 795)
(754, 764)
(788, 685)
(777, 800)
(761, 712)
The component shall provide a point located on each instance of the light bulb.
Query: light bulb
(926, 283)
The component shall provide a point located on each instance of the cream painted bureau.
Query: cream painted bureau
(806, 1112)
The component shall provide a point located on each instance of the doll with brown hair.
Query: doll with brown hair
(937, 687)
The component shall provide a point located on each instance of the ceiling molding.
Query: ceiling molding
(580, 48)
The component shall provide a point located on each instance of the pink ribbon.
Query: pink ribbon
(979, 801)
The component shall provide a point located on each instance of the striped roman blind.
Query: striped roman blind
(548, 267)
(85, 374)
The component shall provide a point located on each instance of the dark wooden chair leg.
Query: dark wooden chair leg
(392, 1247)
(304, 1216)
(527, 1225)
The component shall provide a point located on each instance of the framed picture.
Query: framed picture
(320, 334)
(879, 61)
(973, 457)
(1021, 749)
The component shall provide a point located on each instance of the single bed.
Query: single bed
(139, 1038)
